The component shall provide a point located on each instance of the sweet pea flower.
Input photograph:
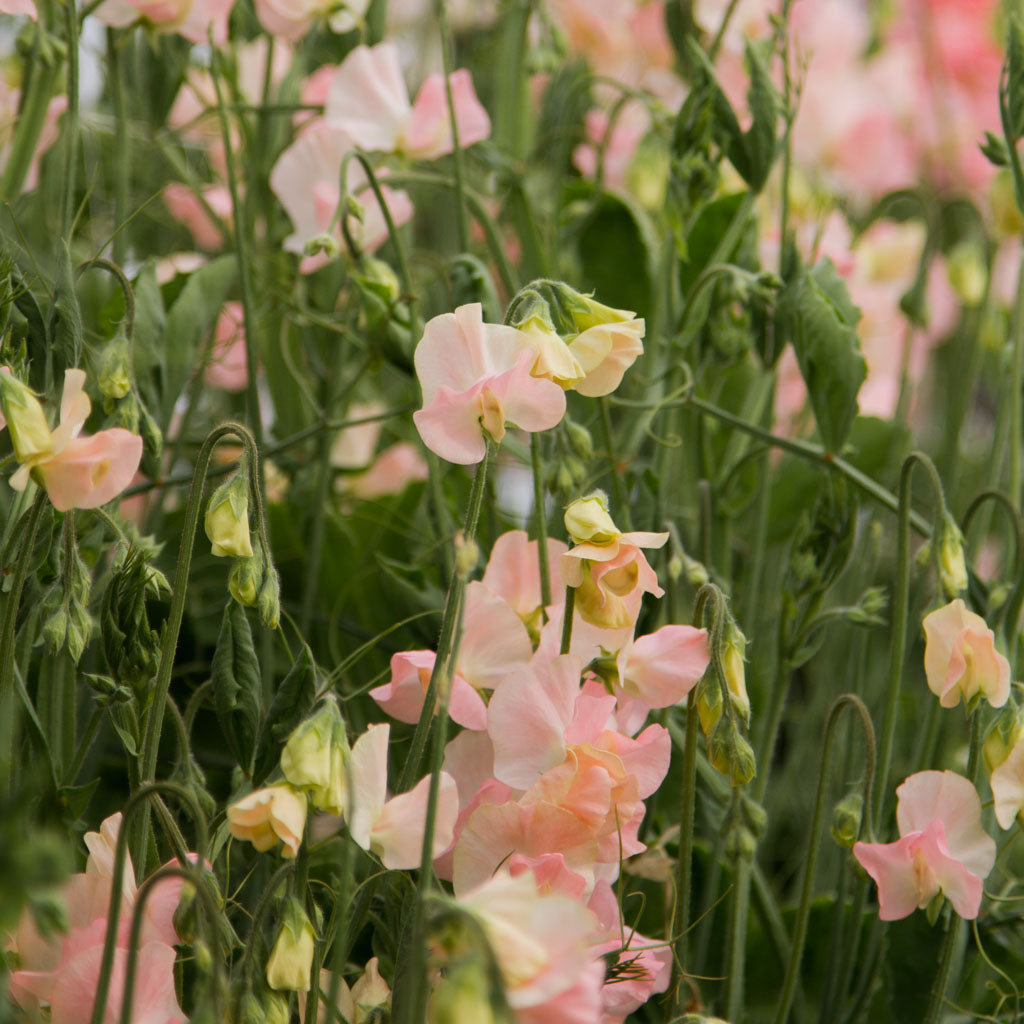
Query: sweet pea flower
(960, 658)
(476, 377)
(393, 829)
(268, 815)
(942, 848)
(1003, 751)
(19, 7)
(368, 100)
(193, 19)
(77, 472)
(305, 180)
(292, 19)
(513, 572)
(185, 206)
(228, 367)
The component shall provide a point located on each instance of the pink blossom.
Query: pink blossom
(513, 572)
(476, 375)
(392, 471)
(228, 367)
(193, 19)
(305, 180)
(619, 146)
(393, 828)
(292, 19)
(942, 848)
(960, 659)
(19, 7)
(368, 100)
(186, 206)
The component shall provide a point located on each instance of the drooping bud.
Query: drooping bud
(587, 521)
(846, 820)
(246, 578)
(734, 646)
(952, 564)
(114, 376)
(227, 517)
(1006, 732)
(307, 756)
(269, 600)
(291, 959)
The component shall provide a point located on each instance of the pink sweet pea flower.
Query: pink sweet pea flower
(292, 19)
(19, 7)
(393, 828)
(305, 180)
(494, 644)
(186, 206)
(942, 848)
(960, 658)
(77, 472)
(513, 572)
(368, 100)
(392, 471)
(228, 367)
(193, 19)
(476, 375)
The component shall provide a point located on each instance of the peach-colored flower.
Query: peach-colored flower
(77, 472)
(392, 471)
(960, 657)
(19, 7)
(292, 19)
(193, 19)
(188, 208)
(268, 815)
(942, 848)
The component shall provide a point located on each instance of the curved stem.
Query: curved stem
(172, 627)
(900, 606)
(803, 913)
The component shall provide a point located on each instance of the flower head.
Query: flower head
(942, 848)
(960, 658)
(267, 815)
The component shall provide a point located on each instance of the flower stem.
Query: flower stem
(457, 156)
(72, 125)
(542, 523)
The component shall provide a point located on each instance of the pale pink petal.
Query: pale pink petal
(393, 470)
(891, 865)
(19, 7)
(91, 471)
(402, 697)
(646, 757)
(959, 885)
(494, 640)
(428, 133)
(469, 759)
(513, 570)
(397, 834)
(367, 783)
(579, 1004)
(664, 666)
(1008, 787)
(206, 18)
(368, 99)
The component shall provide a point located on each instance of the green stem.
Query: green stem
(8, 717)
(121, 164)
(511, 103)
(457, 155)
(817, 821)
(72, 124)
(172, 627)
(568, 612)
(684, 863)
(252, 403)
(900, 607)
(776, 707)
(1016, 388)
(540, 511)
(452, 613)
(739, 912)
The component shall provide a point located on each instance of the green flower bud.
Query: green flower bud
(269, 600)
(246, 578)
(846, 820)
(1005, 734)
(734, 646)
(965, 267)
(952, 565)
(26, 422)
(114, 376)
(580, 442)
(291, 959)
(464, 997)
(227, 518)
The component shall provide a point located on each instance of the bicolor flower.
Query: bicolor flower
(960, 657)
(77, 472)
(475, 378)
(942, 848)
(268, 815)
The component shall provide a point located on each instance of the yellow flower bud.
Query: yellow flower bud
(588, 522)
(952, 565)
(227, 518)
(31, 436)
(291, 959)
(733, 648)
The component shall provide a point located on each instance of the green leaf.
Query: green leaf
(290, 705)
(67, 317)
(758, 145)
(615, 239)
(189, 319)
(236, 683)
(818, 318)
(75, 799)
(38, 339)
(1015, 78)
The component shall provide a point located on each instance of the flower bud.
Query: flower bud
(730, 752)
(227, 518)
(587, 521)
(1005, 734)
(114, 377)
(740, 842)
(467, 555)
(306, 758)
(586, 312)
(291, 959)
(965, 267)
(269, 600)
(952, 565)
(846, 820)
(323, 243)
(30, 433)
(463, 997)
(246, 578)
(580, 442)
(754, 816)
(708, 695)
(734, 645)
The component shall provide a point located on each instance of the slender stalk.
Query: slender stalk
(252, 402)
(542, 522)
(739, 912)
(72, 122)
(457, 155)
(684, 862)
(567, 617)
(8, 717)
(847, 700)
(452, 612)
(900, 607)
(121, 164)
(172, 627)
(1016, 387)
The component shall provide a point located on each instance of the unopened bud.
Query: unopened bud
(754, 815)
(965, 267)
(269, 600)
(322, 243)
(580, 442)
(246, 578)
(114, 376)
(227, 518)
(952, 565)
(291, 959)
(26, 422)
(846, 820)
(1006, 732)
(587, 521)
(734, 645)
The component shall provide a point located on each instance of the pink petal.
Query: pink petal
(397, 834)
(891, 865)
(367, 783)
(428, 133)
(513, 570)
(368, 99)
(494, 640)
(664, 666)
(91, 471)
